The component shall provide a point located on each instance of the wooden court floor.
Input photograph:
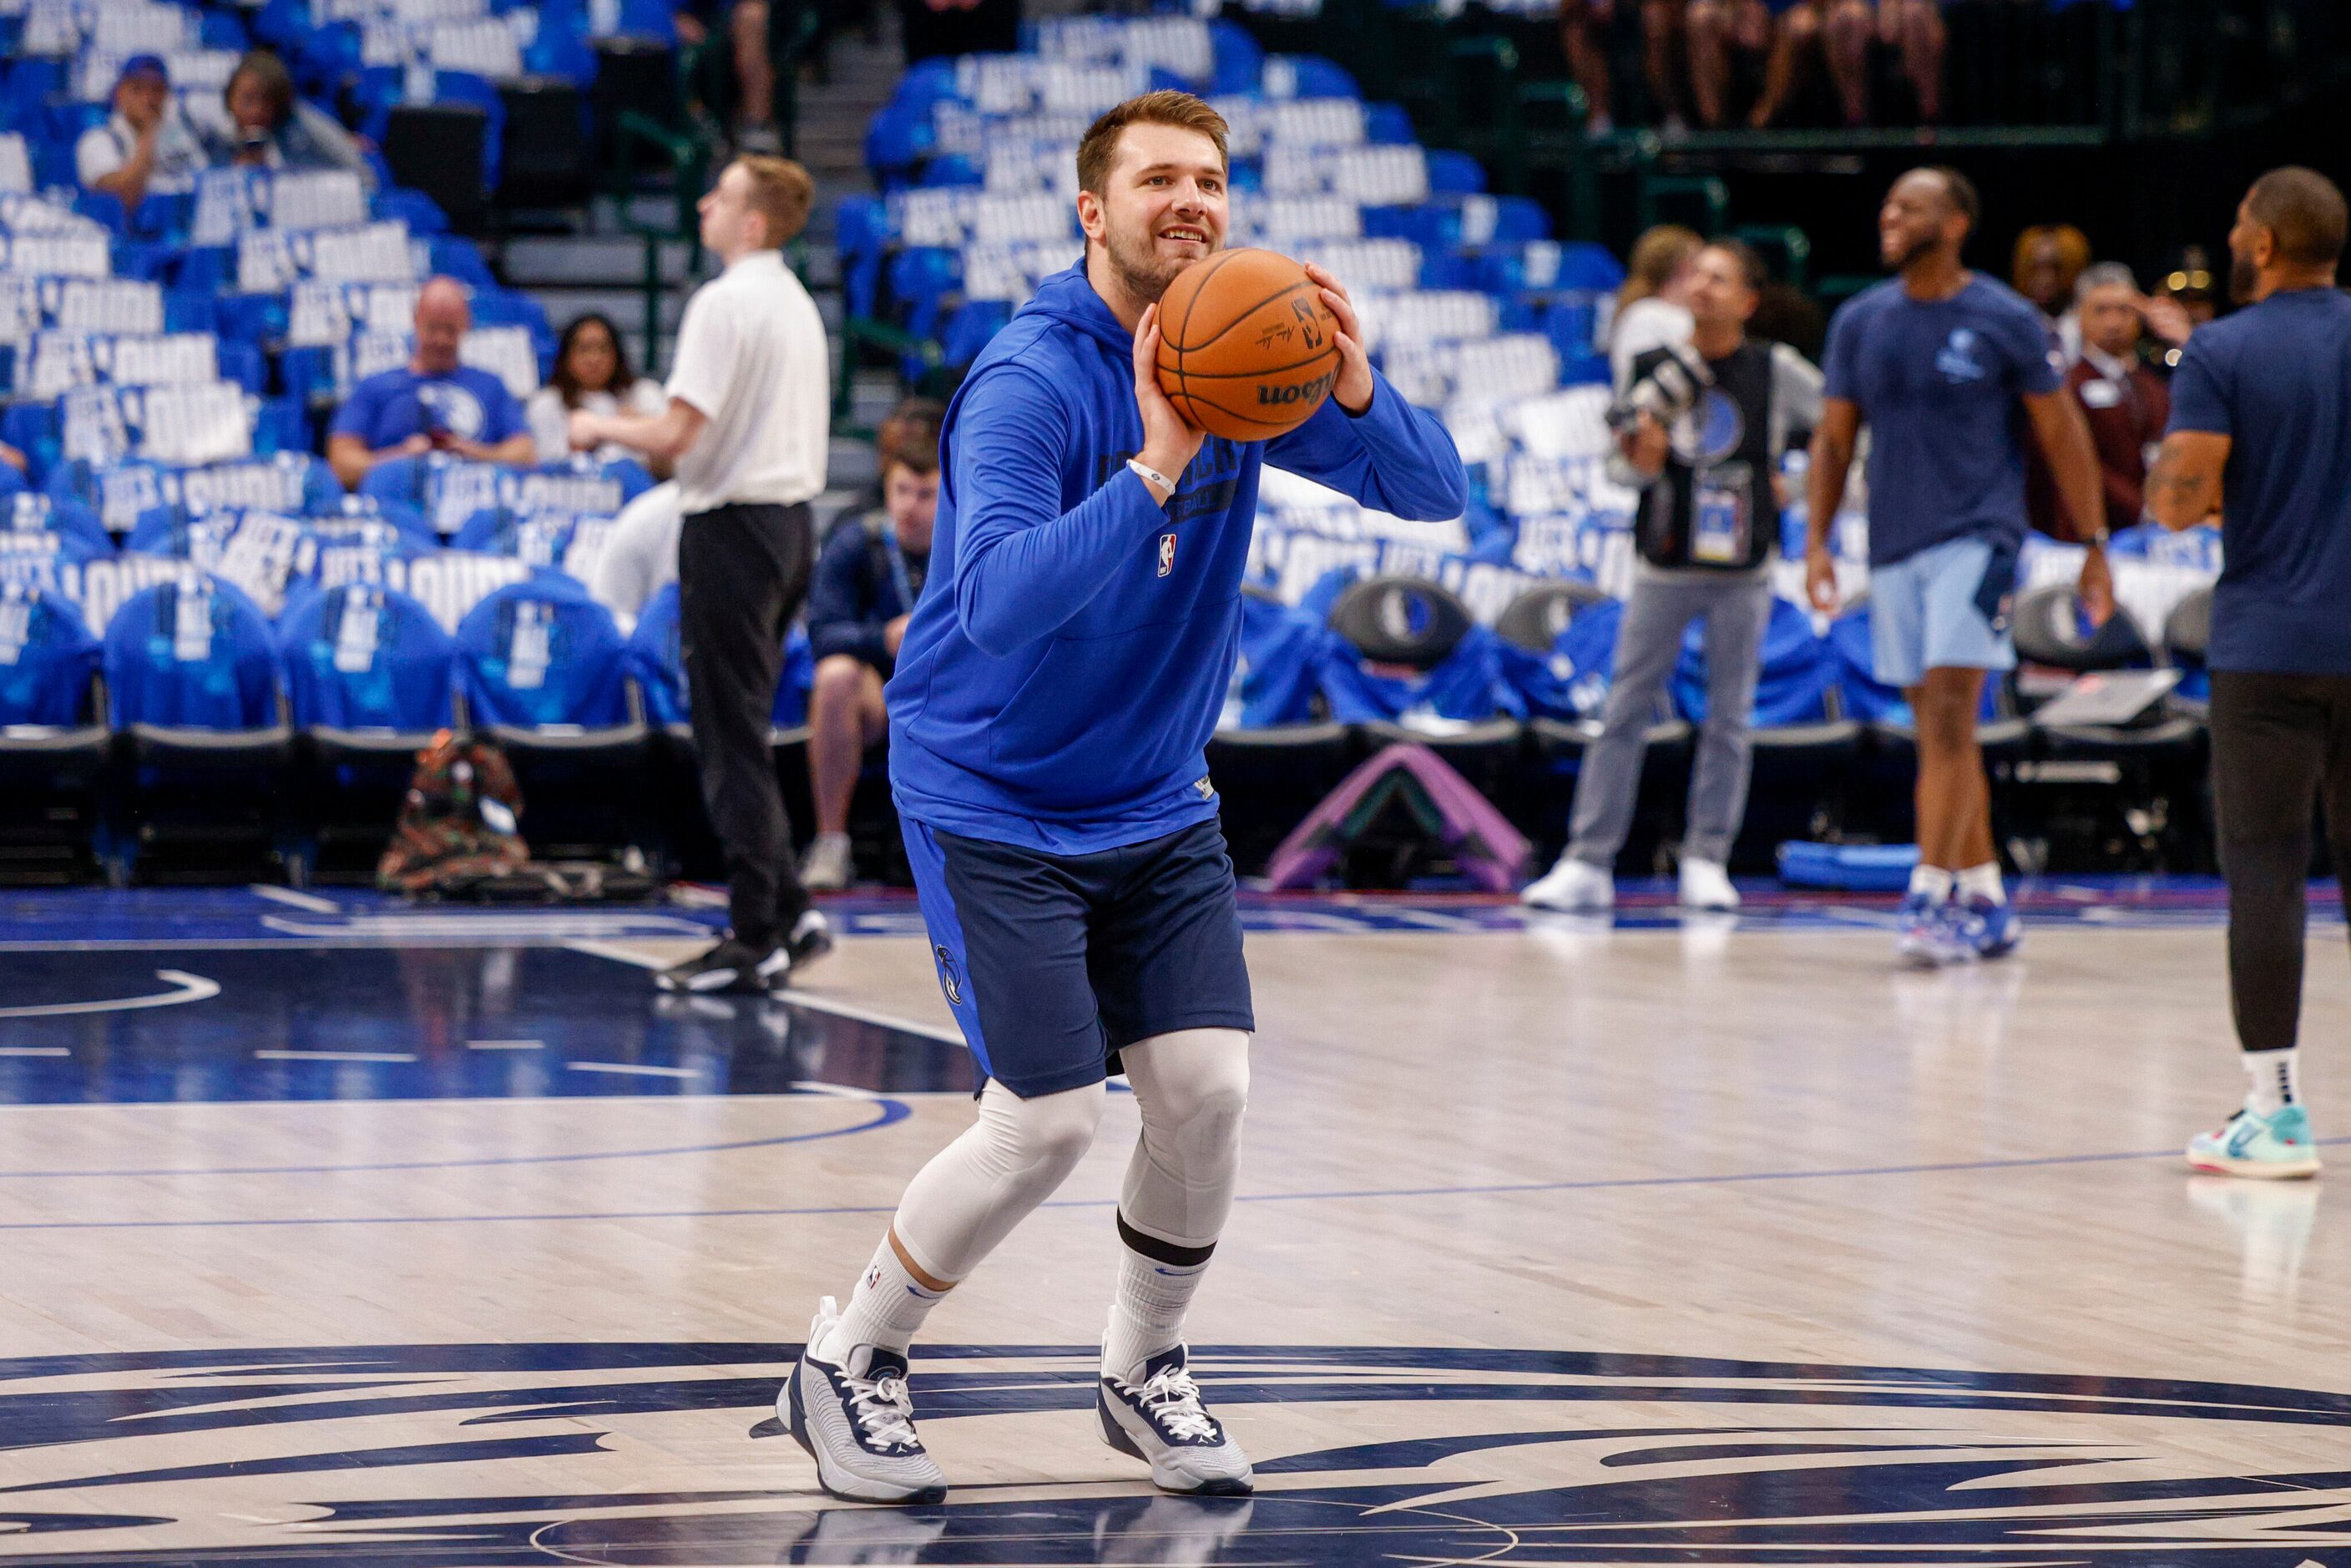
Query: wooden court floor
(1714, 1243)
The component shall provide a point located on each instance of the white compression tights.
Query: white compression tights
(1191, 1087)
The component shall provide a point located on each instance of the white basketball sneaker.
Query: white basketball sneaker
(1572, 887)
(1707, 885)
(1160, 1420)
(856, 1420)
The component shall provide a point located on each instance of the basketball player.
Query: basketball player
(1935, 360)
(2260, 420)
(749, 409)
(1054, 693)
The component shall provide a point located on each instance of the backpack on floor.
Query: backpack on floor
(458, 827)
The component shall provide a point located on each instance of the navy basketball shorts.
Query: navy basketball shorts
(1053, 963)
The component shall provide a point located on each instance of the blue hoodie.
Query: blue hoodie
(1068, 659)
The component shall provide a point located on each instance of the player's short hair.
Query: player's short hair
(910, 436)
(2303, 210)
(1752, 270)
(2105, 275)
(1167, 106)
(782, 192)
(1961, 192)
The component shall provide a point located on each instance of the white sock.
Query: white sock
(1146, 1314)
(1932, 880)
(2272, 1080)
(886, 1309)
(1982, 881)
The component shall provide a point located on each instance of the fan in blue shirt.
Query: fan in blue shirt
(1056, 689)
(433, 404)
(1949, 371)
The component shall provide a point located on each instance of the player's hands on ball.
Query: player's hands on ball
(1170, 440)
(1820, 580)
(1353, 389)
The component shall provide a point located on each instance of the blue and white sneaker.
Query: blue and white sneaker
(857, 1421)
(2277, 1147)
(1927, 933)
(1160, 1421)
(1993, 929)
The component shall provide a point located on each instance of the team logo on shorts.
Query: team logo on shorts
(1167, 554)
(950, 981)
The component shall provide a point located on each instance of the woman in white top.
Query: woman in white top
(591, 372)
(1650, 312)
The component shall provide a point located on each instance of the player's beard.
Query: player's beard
(1915, 249)
(2245, 278)
(1142, 272)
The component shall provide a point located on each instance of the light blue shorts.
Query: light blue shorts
(1944, 608)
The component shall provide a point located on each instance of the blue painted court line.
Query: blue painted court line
(886, 1112)
(1598, 1184)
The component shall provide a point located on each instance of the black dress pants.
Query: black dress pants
(742, 573)
(2281, 743)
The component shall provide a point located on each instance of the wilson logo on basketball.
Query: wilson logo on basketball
(1303, 391)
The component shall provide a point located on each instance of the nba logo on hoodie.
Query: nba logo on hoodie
(1167, 554)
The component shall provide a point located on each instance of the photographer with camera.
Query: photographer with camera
(1701, 431)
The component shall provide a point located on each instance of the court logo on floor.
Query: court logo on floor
(521, 1454)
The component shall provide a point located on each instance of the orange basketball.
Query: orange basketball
(1247, 347)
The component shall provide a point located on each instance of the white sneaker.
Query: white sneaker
(1572, 887)
(827, 868)
(1160, 1420)
(1706, 886)
(856, 1420)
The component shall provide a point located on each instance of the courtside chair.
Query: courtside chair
(369, 678)
(1414, 627)
(542, 670)
(2127, 789)
(191, 684)
(54, 739)
(1276, 755)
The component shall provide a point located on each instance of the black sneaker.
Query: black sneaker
(812, 937)
(730, 966)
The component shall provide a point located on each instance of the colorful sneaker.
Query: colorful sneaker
(856, 1420)
(2267, 1149)
(1160, 1421)
(1927, 933)
(1993, 930)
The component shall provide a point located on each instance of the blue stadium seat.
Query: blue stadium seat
(543, 667)
(191, 677)
(54, 741)
(48, 661)
(366, 657)
(72, 529)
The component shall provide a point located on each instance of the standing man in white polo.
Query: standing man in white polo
(747, 426)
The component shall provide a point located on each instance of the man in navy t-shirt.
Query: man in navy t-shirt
(2261, 429)
(1948, 369)
(430, 403)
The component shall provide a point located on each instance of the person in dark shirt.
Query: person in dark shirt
(2123, 398)
(1950, 369)
(868, 577)
(2261, 431)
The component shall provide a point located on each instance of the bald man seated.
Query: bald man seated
(433, 404)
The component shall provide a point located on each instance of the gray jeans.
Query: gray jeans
(1736, 610)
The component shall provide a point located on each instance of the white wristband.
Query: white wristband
(1160, 483)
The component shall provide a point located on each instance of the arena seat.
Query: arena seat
(54, 739)
(1411, 663)
(2187, 644)
(368, 676)
(543, 668)
(192, 681)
